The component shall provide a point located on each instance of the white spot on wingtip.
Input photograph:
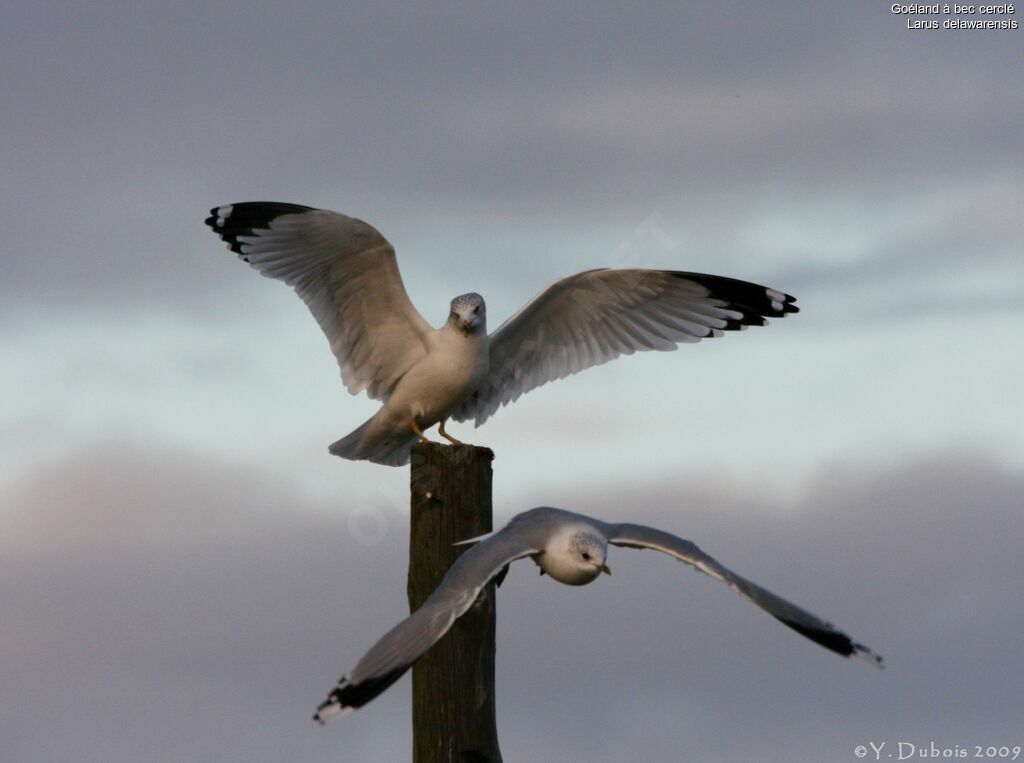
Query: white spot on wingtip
(331, 713)
(223, 213)
(862, 653)
(775, 296)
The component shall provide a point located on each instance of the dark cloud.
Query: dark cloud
(124, 124)
(163, 606)
(159, 604)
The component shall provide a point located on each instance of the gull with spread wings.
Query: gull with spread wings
(572, 549)
(346, 273)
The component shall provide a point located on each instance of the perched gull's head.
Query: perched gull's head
(469, 313)
(575, 558)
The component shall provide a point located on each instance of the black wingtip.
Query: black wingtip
(835, 641)
(756, 302)
(353, 696)
(245, 218)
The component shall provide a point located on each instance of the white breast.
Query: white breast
(454, 367)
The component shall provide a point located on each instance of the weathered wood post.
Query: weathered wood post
(453, 683)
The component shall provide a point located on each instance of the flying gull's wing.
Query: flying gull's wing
(800, 620)
(395, 653)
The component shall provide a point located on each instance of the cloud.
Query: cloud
(160, 603)
(487, 123)
(166, 605)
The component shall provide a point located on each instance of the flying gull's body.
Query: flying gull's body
(347, 274)
(572, 549)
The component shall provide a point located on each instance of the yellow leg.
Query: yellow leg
(445, 435)
(416, 428)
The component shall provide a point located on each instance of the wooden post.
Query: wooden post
(453, 683)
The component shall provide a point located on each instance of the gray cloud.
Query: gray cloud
(502, 119)
(158, 603)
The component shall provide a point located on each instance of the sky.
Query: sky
(186, 569)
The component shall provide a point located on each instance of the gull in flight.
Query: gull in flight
(346, 273)
(572, 549)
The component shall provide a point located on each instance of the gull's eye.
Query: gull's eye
(586, 556)
(476, 309)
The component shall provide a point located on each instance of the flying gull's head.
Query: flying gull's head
(469, 313)
(575, 557)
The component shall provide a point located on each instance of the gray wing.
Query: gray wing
(346, 273)
(395, 653)
(592, 317)
(800, 620)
